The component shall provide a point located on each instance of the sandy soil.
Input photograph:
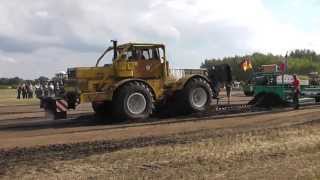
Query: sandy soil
(281, 145)
(277, 144)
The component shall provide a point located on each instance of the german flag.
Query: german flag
(246, 64)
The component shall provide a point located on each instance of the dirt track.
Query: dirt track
(25, 126)
(37, 140)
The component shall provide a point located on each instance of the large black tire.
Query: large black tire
(196, 96)
(133, 101)
(268, 100)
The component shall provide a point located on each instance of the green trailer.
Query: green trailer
(280, 85)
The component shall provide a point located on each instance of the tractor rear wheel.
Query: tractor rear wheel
(196, 96)
(133, 101)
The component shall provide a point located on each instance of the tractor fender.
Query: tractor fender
(181, 83)
(114, 88)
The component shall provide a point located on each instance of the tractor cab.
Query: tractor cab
(136, 60)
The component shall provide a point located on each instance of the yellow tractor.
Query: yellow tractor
(137, 83)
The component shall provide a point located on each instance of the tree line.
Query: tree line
(300, 61)
(15, 81)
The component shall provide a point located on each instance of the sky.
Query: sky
(43, 37)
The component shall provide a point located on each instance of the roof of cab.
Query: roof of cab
(142, 45)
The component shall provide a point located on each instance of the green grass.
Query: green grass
(5, 87)
(9, 97)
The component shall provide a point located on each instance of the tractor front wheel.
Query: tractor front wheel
(133, 101)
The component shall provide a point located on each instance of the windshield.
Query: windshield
(131, 54)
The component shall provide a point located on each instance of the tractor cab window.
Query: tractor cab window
(160, 52)
(136, 54)
(131, 53)
(127, 55)
(149, 54)
(155, 55)
(143, 54)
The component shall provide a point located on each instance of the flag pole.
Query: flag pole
(286, 62)
(285, 71)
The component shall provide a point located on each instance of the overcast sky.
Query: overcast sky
(41, 37)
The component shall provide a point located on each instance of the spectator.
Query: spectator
(38, 90)
(228, 89)
(19, 90)
(30, 91)
(24, 91)
(296, 91)
(45, 89)
(51, 89)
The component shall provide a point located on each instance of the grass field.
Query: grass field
(9, 97)
(5, 87)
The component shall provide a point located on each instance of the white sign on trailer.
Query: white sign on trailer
(288, 79)
(304, 82)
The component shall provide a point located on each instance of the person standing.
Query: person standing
(24, 91)
(27, 91)
(45, 89)
(296, 91)
(19, 89)
(38, 90)
(51, 89)
(31, 89)
(228, 90)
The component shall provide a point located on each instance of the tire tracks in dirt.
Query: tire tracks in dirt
(40, 154)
